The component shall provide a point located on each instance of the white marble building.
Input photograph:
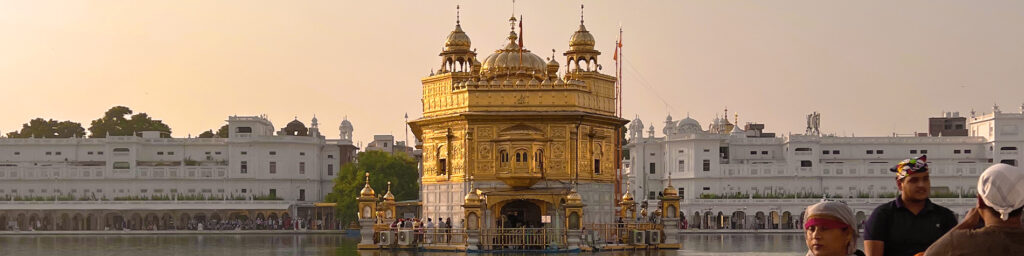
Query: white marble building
(731, 178)
(254, 171)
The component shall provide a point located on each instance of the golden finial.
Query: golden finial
(367, 177)
(736, 118)
(581, 14)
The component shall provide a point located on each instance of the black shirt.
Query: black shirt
(905, 233)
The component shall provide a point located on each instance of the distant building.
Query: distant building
(950, 124)
(142, 181)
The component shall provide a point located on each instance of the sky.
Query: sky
(871, 68)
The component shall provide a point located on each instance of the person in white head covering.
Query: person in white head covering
(830, 230)
(1000, 202)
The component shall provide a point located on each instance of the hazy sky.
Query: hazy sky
(870, 67)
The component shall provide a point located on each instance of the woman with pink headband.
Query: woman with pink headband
(829, 230)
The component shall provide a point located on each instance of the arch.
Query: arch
(520, 213)
(64, 223)
(861, 217)
(707, 220)
(774, 220)
(200, 217)
(787, 220)
(91, 221)
(184, 220)
(671, 211)
(696, 220)
(35, 223)
(442, 160)
(3, 222)
(135, 221)
(76, 222)
(22, 221)
(739, 219)
(538, 157)
(760, 221)
(151, 221)
(166, 221)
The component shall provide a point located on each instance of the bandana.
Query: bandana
(1002, 188)
(834, 214)
(910, 166)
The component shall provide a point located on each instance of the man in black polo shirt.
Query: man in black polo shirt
(911, 223)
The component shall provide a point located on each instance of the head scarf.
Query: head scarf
(910, 166)
(1001, 186)
(832, 214)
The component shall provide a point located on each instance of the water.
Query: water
(323, 244)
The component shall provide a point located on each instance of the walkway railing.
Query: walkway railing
(615, 233)
(522, 239)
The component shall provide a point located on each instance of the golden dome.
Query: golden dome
(389, 196)
(367, 190)
(506, 61)
(457, 40)
(627, 197)
(472, 197)
(581, 39)
(573, 197)
(670, 191)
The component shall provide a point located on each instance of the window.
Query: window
(707, 188)
(870, 152)
(89, 153)
(1009, 162)
(245, 167)
(705, 150)
(121, 165)
(764, 152)
(273, 153)
(1001, 148)
(170, 153)
(650, 195)
(824, 152)
(805, 163)
(913, 151)
(273, 167)
(302, 195)
(99, 152)
(245, 190)
(216, 153)
(539, 159)
(207, 152)
(835, 152)
(880, 151)
(160, 153)
(707, 165)
(302, 167)
(330, 170)
(651, 170)
(956, 151)
(19, 153)
(121, 150)
(302, 153)
(442, 165)
(243, 129)
(924, 151)
(682, 165)
(753, 152)
(803, 149)
(58, 153)
(597, 166)
(330, 156)
(245, 153)
(967, 151)
(49, 153)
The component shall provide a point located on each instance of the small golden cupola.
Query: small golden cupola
(581, 56)
(670, 191)
(367, 190)
(456, 55)
(389, 196)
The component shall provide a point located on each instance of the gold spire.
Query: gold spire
(389, 196)
(367, 190)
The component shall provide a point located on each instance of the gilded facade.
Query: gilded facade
(521, 129)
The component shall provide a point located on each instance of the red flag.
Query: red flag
(618, 45)
(520, 40)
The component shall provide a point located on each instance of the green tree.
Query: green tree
(221, 133)
(114, 123)
(398, 168)
(206, 134)
(40, 128)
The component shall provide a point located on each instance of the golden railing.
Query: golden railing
(436, 236)
(615, 233)
(522, 238)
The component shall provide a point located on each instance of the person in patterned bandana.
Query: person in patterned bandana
(910, 223)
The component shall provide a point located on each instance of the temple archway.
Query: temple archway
(520, 213)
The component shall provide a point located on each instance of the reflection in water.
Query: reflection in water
(287, 244)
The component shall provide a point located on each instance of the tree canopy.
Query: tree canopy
(114, 123)
(398, 168)
(221, 133)
(40, 128)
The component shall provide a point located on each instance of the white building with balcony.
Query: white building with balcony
(147, 181)
(747, 179)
